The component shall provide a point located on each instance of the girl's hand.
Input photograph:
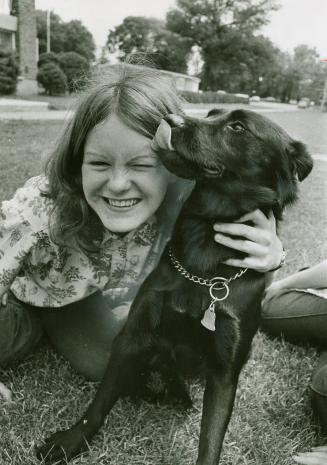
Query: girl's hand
(318, 456)
(260, 241)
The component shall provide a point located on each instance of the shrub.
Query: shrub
(76, 69)
(8, 73)
(48, 57)
(212, 97)
(52, 79)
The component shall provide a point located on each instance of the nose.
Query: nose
(119, 181)
(174, 120)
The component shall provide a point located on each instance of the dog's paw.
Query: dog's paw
(61, 447)
(5, 393)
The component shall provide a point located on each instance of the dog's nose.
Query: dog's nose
(174, 120)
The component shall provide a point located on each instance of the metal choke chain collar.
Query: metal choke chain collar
(217, 283)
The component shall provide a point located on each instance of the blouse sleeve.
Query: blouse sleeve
(16, 236)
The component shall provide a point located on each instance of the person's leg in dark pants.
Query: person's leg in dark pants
(83, 332)
(20, 331)
(302, 318)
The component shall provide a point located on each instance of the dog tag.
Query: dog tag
(209, 318)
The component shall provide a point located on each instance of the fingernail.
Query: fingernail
(216, 226)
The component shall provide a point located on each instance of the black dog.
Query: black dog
(240, 162)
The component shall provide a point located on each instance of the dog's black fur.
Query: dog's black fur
(240, 162)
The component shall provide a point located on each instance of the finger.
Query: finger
(251, 233)
(248, 262)
(320, 448)
(246, 246)
(256, 216)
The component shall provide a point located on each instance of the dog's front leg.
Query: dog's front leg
(126, 361)
(218, 403)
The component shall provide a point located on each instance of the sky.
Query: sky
(297, 21)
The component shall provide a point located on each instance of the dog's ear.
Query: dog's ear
(301, 159)
(216, 111)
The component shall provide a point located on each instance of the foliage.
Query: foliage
(78, 39)
(170, 51)
(224, 31)
(8, 73)
(212, 97)
(76, 69)
(148, 36)
(47, 57)
(53, 79)
(72, 36)
(205, 20)
(305, 74)
(239, 68)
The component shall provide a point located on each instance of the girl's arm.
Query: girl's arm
(16, 238)
(314, 277)
(259, 241)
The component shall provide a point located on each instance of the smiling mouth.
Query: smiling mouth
(126, 203)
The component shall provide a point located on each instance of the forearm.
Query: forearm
(314, 277)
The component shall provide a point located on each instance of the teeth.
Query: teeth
(122, 203)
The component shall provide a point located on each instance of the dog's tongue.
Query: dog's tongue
(162, 138)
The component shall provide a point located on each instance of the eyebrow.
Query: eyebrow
(137, 157)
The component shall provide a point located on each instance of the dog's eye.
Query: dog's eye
(237, 126)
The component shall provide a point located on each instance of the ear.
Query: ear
(216, 111)
(301, 159)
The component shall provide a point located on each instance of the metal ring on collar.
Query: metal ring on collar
(222, 286)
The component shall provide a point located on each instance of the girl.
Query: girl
(296, 307)
(76, 243)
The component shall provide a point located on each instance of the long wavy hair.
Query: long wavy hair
(140, 96)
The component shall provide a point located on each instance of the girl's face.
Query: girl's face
(123, 179)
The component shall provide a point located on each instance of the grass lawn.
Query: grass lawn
(272, 417)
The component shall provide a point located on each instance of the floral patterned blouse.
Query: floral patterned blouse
(44, 274)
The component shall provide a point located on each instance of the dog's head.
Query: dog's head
(239, 153)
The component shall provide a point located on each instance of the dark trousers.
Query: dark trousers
(82, 332)
(302, 318)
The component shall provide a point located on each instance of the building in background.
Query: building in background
(181, 81)
(18, 35)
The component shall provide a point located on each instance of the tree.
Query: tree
(8, 73)
(52, 78)
(72, 36)
(78, 39)
(224, 32)
(302, 75)
(57, 29)
(203, 20)
(76, 69)
(170, 51)
(138, 34)
(48, 57)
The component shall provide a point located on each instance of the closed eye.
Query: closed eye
(99, 163)
(236, 126)
(144, 166)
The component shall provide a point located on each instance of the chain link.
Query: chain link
(198, 279)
